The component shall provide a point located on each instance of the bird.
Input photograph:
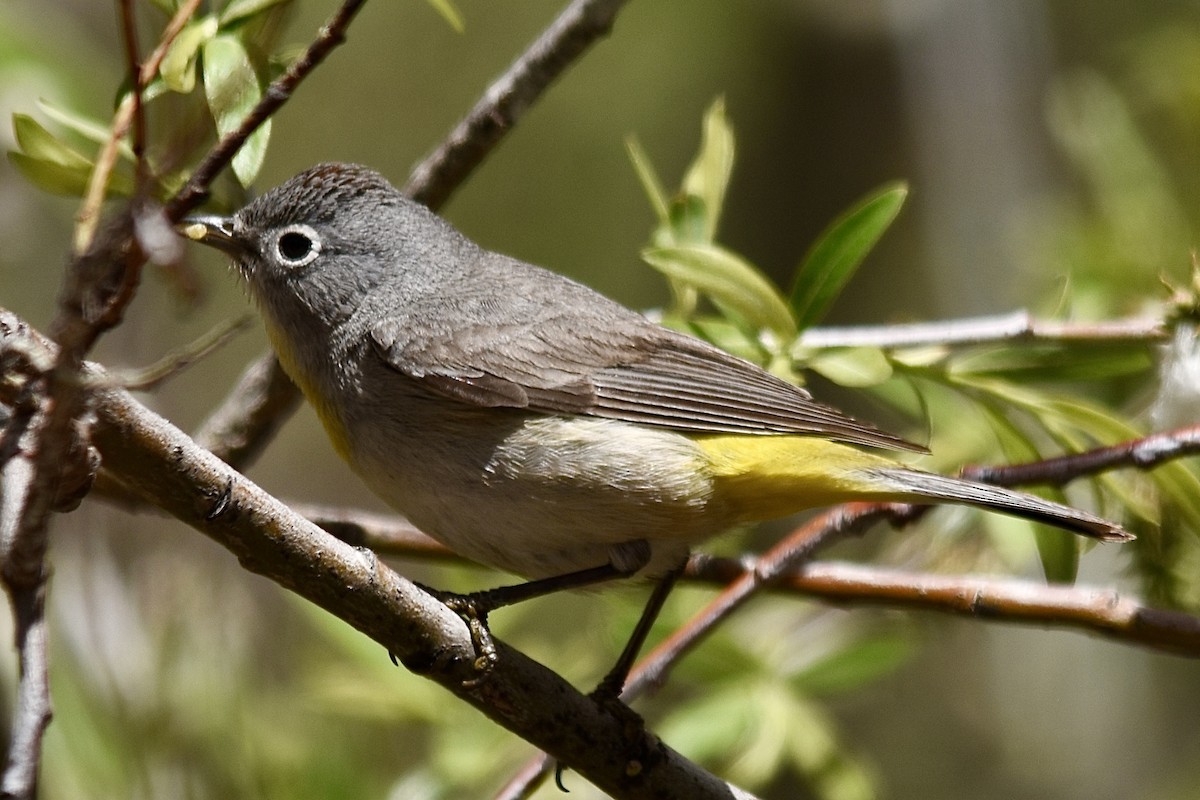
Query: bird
(529, 422)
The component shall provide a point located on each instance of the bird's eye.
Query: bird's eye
(298, 245)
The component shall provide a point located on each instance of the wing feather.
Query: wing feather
(563, 348)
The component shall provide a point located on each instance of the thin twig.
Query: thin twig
(1102, 611)
(130, 107)
(332, 34)
(138, 79)
(838, 523)
(995, 329)
(1143, 453)
(173, 363)
(507, 99)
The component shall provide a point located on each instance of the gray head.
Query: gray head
(313, 248)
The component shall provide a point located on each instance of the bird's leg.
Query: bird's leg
(608, 692)
(609, 689)
(474, 607)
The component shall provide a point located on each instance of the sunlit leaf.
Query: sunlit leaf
(89, 129)
(51, 176)
(727, 279)
(708, 176)
(1026, 362)
(839, 251)
(450, 13)
(40, 144)
(688, 222)
(238, 10)
(178, 69)
(649, 179)
(852, 366)
(728, 337)
(232, 88)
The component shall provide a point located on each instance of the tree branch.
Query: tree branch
(1102, 611)
(1144, 453)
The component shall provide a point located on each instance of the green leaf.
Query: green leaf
(688, 222)
(52, 176)
(708, 176)
(178, 69)
(815, 750)
(649, 179)
(89, 129)
(839, 251)
(728, 280)
(1027, 362)
(39, 144)
(232, 88)
(727, 336)
(1014, 442)
(852, 366)
(1058, 552)
(450, 13)
(237, 10)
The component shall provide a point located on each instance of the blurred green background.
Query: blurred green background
(1052, 153)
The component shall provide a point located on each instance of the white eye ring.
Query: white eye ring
(297, 246)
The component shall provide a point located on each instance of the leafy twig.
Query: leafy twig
(128, 112)
(332, 34)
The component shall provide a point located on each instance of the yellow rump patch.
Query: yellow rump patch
(767, 477)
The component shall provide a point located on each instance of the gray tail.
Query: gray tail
(940, 488)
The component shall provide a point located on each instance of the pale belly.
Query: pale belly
(543, 495)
